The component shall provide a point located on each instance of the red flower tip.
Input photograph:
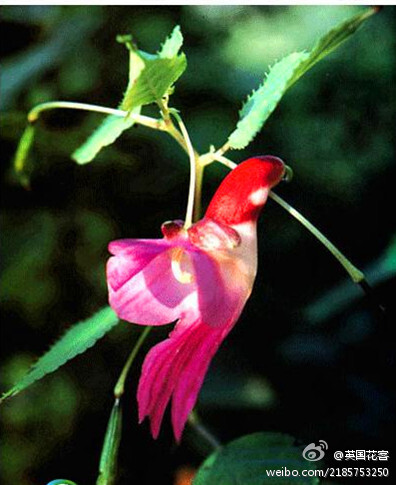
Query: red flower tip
(244, 191)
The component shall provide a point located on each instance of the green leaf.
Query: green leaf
(262, 102)
(136, 66)
(157, 73)
(75, 341)
(172, 45)
(150, 78)
(21, 156)
(332, 40)
(283, 75)
(108, 458)
(106, 134)
(250, 460)
(155, 80)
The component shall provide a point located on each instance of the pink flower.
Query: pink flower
(200, 277)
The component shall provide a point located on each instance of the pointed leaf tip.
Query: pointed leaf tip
(75, 341)
(284, 74)
(170, 48)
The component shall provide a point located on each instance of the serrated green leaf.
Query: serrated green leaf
(150, 78)
(172, 45)
(106, 134)
(108, 457)
(156, 73)
(330, 41)
(250, 460)
(262, 102)
(155, 80)
(75, 341)
(284, 74)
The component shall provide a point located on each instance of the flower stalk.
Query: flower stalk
(203, 431)
(356, 275)
(193, 171)
(120, 386)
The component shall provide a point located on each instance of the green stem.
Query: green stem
(143, 120)
(197, 424)
(119, 387)
(356, 275)
(193, 171)
(198, 191)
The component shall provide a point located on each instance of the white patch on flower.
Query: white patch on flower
(181, 266)
(258, 197)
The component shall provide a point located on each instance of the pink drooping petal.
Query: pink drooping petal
(161, 367)
(205, 342)
(177, 367)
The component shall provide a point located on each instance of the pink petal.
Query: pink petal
(220, 299)
(201, 349)
(177, 366)
(131, 256)
(161, 367)
(152, 296)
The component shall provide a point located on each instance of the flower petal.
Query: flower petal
(203, 344)
(153, 295)
(131, 256)
(177, 366)
(221, 293)
(160, 370)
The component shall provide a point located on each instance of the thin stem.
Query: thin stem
(225, 161)
(198, 191)
(193, 171)
(356, 275)
(176, 135)
(197, 424)
(142, 120)
(119, 387)
(223, 149)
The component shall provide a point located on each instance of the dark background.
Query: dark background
(311, 355)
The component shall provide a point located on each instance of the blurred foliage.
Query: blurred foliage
(335, 127)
